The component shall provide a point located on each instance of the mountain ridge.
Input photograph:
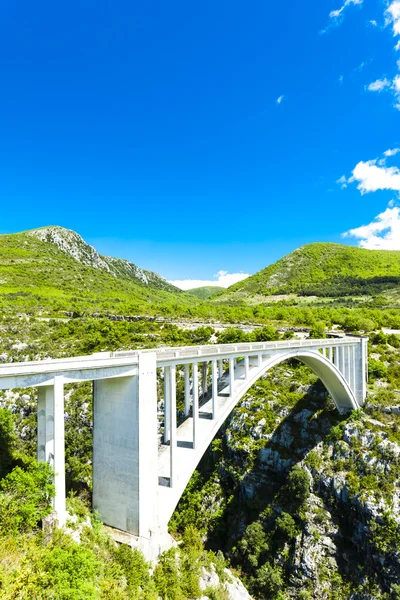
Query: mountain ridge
(72, 243)
(52, 270)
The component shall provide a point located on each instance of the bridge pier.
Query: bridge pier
(187, 391)
(50, 439)
(125, 452)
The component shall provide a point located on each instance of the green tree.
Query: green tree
(25, 497)
(253, 544)
(297, 487)
(318, 331)
(7, 441)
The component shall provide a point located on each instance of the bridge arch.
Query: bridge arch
(326, 371)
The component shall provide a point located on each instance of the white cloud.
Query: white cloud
(379, 85)
(392, 15)
(392, 152)
(397, 46)
(279, 100)
(383, 233)
(393, 87)
(373, 23)
(371, 177)
(374, 175)
(221, 279)
(335, 14)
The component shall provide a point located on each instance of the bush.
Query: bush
(268, 581)
(135, 569)
(297, 487)
(25, 498)
(7, 441)
(376, 369)
(253, 544)
(286, 527)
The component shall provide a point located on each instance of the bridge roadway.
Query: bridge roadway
(136, 481)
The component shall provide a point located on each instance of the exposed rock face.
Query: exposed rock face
(233, 587)
(74, 245)
(343, 541)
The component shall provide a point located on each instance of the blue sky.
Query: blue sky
(154, 129)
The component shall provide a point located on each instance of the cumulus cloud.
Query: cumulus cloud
(374, 175)
(379, 85)
(392, 16)
(279, 100)
(221, 279)
(391, 152)
(392, 86)
(383, 233)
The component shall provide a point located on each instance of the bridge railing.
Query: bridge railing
(185, 352)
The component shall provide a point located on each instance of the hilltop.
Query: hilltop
(206, 292)
(322, 269)
(54, 269)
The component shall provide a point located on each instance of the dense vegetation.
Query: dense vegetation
(327, 270)
(206, 292)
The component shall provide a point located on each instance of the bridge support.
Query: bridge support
(125, 452)
(50, 437)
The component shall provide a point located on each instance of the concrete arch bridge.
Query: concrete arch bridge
(137, 482)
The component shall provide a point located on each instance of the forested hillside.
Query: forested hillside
(52, 270)
(206, 292)
(325, 270)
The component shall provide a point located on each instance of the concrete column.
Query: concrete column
(195, 409)
(330, 353)
(335, 356)
(41, 424)
(220, 368)
(259, 360)
(246, 366)
(51, 439)
(167, 403)
(187, 391)
(340, 359)
(357, 365)
(125, 450)
(59, 450)
(348, 358)
(362, 370)
(204, 367)
(172, 426)
(231, 376)
(214, 389)
(353, 369)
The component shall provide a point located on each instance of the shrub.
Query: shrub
(25, 497)
(376, 369)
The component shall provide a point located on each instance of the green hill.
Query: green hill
(323, 269)
(206, 292)
(52, 269)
